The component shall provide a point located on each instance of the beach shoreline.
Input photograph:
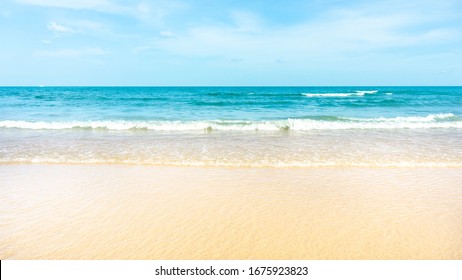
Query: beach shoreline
(67, 211)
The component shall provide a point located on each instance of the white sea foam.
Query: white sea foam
(417, 119)
(363, 92)
(340, 94)
(328, 94)
(431, 121)
(149, 125)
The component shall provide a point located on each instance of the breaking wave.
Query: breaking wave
(341, 94)
(309, 123)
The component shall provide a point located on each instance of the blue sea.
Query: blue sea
(233, 126)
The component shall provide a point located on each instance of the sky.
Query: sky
(235, 43)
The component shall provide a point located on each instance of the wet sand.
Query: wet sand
(152, 212)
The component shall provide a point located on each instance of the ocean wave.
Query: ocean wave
(328, 94)
(340, 94)
(429, 118)
(363, 92)
(447, 120)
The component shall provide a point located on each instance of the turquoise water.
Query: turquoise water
(60, 104)
(233, 126)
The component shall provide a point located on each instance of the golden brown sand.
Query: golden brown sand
(148, 212)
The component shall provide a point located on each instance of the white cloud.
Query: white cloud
(336, 34)
(58, 29)
(88, 26)
(97, 5)
(150, 12)
(70, 26)
(154, 13)
(71, 53)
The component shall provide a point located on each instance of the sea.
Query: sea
(306, 126)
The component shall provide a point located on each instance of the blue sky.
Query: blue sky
(206, 42)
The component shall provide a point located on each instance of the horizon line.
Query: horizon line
(39, 86)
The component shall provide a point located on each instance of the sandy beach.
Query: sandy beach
(153, 212)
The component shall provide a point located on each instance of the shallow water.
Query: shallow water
(438, 148)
